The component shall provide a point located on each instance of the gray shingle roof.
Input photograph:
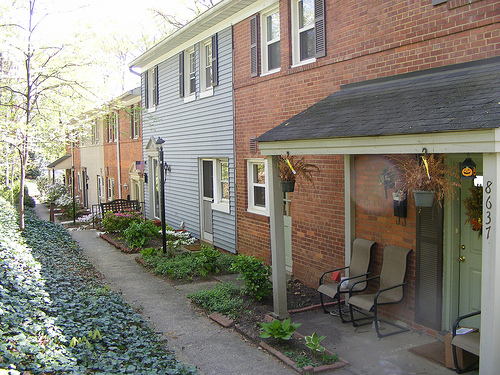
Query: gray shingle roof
(459, 97)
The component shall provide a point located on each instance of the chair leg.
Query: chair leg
(455, 362)
(340, 310)
(354, 321)
(380, 335)
(323, 303)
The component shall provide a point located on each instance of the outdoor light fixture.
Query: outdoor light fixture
(159, 146)
(468, 169)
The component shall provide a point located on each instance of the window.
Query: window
(308, 31)
(95, 132)
(111, 125)
(111, 189)
(100, 188)
(206, 72)
(191, 73)
(151, 84)
(271, 53)
(221, 184)
(154, 183)
(257, 192)
(135, 121)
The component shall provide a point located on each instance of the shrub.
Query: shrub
(28, 201)
(139, 233)
(119, 221)
(222, 298)
(255, 275)
(279, 330)
(207, 260)
(51, 192)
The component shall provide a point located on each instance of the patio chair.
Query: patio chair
(468, 342)
(358, 270)
(391, 289)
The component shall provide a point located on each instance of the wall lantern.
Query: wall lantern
(468, 169)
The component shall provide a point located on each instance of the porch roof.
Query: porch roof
(454, 98)
(61, 163)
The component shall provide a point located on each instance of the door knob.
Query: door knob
(461, 259)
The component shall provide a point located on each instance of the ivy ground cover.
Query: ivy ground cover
(56, 317)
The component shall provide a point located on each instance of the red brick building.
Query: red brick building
(284, 64)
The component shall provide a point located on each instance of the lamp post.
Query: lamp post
(73, 186)
(159, 144)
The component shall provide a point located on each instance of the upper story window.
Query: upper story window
(152, 92)
(95, 132)
(111, 125)
(135, 121)
(270, 45)
(308, 31)
(199, 64)
(257, 191)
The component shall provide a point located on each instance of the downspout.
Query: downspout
(118, 162)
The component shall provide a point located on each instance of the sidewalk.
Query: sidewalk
(215, 350)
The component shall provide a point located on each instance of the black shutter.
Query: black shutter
(156, 99)
(319, 28)
(429, 267)
(254, 46)
(181, 74)
(146, 89)
(215, 60)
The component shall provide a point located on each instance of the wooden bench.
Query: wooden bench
(120, 205)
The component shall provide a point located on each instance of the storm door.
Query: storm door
(207, 198)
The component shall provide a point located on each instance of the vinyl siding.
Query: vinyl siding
(202, 128)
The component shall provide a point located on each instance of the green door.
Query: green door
(470, 263)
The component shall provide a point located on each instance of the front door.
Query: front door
(207, 198)
(287, 220)
(470, 261)
(85, 187)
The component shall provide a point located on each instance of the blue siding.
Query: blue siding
(203, 128)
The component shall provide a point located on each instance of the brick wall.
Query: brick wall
(365, 40)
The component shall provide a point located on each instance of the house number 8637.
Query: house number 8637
(488, 205)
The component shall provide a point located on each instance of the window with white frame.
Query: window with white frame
(190, 70)
(221, 186)
(271, 52)
(308, 31)
(257, 191)
(111, 127)
(206, 68)
(154, 183)
(151, 83)
(111, 189)
(95, 132)
(135, 121)
(100, 188)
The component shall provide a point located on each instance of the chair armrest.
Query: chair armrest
(460, 318)
(327, 272)
(386, 289)
(352, 278)
(361, 281)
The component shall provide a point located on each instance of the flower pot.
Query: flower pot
(423, 198)
(287, 186)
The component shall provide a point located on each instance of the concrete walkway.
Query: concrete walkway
(215, 350)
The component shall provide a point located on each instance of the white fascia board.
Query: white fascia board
(472, 141)
(224, 14)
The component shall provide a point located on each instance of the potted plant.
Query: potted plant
(289, 168)
(427, 176)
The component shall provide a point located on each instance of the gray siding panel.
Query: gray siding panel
(199, 129)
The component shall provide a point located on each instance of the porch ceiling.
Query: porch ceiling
(457, 98)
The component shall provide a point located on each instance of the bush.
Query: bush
(255, 275)
(119, 221)
(51, 192)
(139, 233)
(222, 298)
(279, 330)
(28, 201)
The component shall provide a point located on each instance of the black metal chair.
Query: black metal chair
(358, 270)
(391, 289)
(468, 342)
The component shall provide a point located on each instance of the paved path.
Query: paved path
(196, 339)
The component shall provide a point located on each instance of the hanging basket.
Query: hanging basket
(287, 186)
(423, 198)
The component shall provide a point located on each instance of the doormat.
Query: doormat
(433, 352)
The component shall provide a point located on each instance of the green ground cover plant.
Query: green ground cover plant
(223, 298)
(57, 317)
(186, 265)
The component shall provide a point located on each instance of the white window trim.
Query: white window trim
(205, 91)
(296, 38)
(264, 43)
(111, 188)
(251, 206)
(189, 97)
(219, 204)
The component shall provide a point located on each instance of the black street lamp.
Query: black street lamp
(73, 185)
(159, 144)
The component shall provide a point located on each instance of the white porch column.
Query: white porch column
(277, 240)
(490, 292)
